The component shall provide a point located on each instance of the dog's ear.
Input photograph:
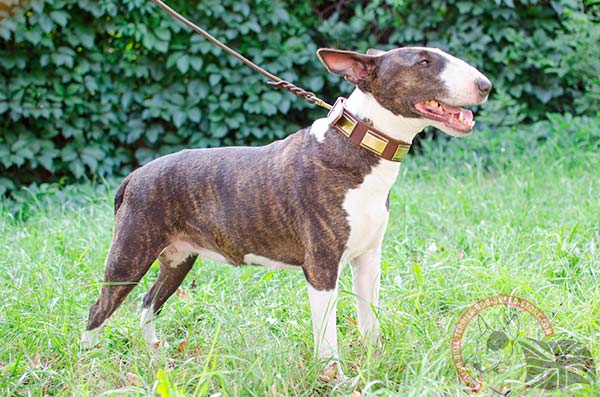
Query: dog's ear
(352, 65)
(375, 52)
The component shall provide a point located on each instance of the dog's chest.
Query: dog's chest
(366, 209)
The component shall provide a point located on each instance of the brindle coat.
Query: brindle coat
(283, 201)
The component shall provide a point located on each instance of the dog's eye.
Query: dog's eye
(424, 62)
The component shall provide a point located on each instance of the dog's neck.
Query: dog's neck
(366, 107)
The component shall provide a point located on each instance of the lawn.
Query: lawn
(504, 212)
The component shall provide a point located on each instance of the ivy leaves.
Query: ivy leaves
(98, 88)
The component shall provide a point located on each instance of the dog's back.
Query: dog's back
(237, 201)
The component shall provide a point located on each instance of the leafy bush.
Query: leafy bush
(95, 88)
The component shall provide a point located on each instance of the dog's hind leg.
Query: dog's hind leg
(173, 269)
(129, 258)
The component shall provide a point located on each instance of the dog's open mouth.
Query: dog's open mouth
(453, 117)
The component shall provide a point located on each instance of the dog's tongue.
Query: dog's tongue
(453, 116)
(456, 111)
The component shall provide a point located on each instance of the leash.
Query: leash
(357, 131)
(275, 82)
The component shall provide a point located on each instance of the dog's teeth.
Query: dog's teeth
(461, 118)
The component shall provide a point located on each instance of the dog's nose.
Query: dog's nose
(484, 86)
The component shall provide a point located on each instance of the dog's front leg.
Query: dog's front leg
(322, 296)
(323, 311)
(366, 272)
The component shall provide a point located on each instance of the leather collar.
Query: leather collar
(365, 135)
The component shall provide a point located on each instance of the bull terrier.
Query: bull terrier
(312, 201)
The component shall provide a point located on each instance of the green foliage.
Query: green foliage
(96, 88)
(92, 89)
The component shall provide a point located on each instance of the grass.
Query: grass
(467, 222)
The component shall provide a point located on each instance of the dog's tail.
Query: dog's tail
(120, 193)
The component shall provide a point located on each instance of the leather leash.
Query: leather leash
(357, 131)
(276, 82)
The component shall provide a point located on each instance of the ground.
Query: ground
(514, 215)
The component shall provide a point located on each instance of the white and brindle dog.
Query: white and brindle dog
(312, 201)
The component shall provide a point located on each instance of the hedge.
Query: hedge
(96, 88)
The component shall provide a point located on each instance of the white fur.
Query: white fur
(148, 328)
(366, 209)
(252, 259)
(366, 271)
(323, 312)
(318, 129)
(174, 259)
(460, 79)
(368, 222)
(91, 338)
(204, 253)
(186, 249)
(365, 106)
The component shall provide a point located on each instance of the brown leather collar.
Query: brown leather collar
(364, 135)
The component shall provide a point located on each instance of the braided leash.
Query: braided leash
(275, 82)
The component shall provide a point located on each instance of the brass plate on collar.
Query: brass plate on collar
(373, 142)
(400, 153)
(346, 125)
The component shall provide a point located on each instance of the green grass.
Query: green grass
(469, 219)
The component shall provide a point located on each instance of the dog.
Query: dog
(312, 201)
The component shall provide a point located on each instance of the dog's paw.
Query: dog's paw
(90, 339)
(157, 345)
(333, 373)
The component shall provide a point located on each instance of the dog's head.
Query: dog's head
(415, 82)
